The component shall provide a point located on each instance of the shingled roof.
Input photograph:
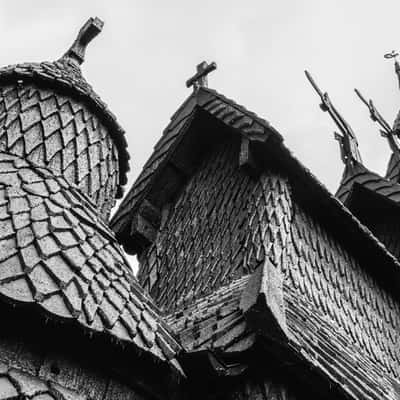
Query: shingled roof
(66, 76)
(57, 256)
(393, 168)
(360, 175)
(212, 104)
(230, 113)
(217, 321)
(221, 326)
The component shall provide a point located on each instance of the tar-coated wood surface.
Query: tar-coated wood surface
(358, 320)
(62, 133)
(220, 225)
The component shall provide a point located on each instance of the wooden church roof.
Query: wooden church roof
(66, 76)
(359, 175)
(223, 323)
(208, 102)
(221, 329)
(59, 257)
(230, 113)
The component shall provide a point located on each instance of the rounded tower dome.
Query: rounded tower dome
(51, 116)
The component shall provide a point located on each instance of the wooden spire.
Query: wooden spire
(87, 33)
(200, 78)
(347, 139)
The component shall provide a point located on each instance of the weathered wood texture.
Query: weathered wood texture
(244, 123)
(122, 218)
(341, 317)
(37, 373)
(214, 321)
(361, 176)
(64, 75)
(223, 212)
(221, 227)
(57, 255)
(62, 133)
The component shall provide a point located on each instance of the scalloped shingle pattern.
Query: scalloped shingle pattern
(361, 317)
(56, 131)
(57, 254)
(369, 180)
(66, 76)
(18, 384)
(214, 321)
(393, 168)
(227, 111)
(223, 224)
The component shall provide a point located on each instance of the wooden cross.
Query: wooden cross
(200, 78)
(88, 32)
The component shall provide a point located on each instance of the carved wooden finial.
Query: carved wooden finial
(200, 78)
(386, 131)
(88, 32)
(394, 54)
(347, 139)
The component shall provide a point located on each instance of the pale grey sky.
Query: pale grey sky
(147, 50)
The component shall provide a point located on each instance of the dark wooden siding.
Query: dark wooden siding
(387, 229)
(337, 312)
(27, 373)
(221, 226)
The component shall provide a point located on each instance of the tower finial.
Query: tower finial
(386, 131)
(200, 78)
(90, 30)
(394, 54)
(347, 139)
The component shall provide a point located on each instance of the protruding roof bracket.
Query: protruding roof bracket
(262, 301)
(145, 225)
(247, 160)
(347, 138)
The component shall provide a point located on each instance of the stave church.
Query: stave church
(254, 282)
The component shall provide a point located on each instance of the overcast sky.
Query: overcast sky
(147, 50)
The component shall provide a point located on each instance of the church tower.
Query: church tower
(75, 322)
(52, 117)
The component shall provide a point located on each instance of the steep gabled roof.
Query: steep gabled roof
(216, 107)
(161, 152)
(59, 258)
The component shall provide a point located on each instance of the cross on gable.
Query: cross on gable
(90, 30)
(200, 78)
(392, 54)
